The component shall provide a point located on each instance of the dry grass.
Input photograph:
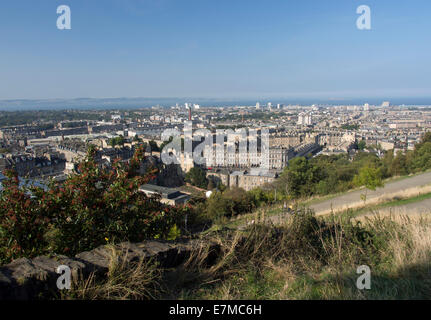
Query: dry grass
(305, 258)
(396, 212)
(124, 281)
(417, 250)
(268, 265)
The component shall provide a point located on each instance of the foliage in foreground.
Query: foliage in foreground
(93, 207)
(306, 258)
(309, 258)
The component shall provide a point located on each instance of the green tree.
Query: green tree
(301, 177)
(211, 184)
(197, 177)
(421, 158)
(164, 143)
(217, 206)
(117, 141)
(398, 167)
(153, 145)
(136, 138)
(369, 177)
(362, 144)
(229, 203)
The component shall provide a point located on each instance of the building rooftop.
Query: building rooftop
(254, 172)
(166, 193)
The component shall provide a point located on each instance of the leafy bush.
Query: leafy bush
(22, 223)
(197, 177)
(94, 206)
(229, 203)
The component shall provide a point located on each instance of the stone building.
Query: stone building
(244, 179)
(30, 166)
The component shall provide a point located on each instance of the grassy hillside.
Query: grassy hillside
(307, 257)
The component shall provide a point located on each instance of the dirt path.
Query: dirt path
(407, 187)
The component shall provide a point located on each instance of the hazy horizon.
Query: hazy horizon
(142, 102)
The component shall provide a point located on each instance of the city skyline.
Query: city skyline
(134, 103)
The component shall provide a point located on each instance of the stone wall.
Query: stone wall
(27, 279)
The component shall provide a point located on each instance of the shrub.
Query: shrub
(22, 223)
(229, 203)
(197, 177)
(95, 206)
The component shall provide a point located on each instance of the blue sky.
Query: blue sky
(215, 49)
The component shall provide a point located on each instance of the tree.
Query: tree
(426, 138)
(153, 145)
(421, 159)
(229, 203)
(301, 177)
(217, 206)
(197, 177)
(361, 145)
(348, 126)
(117, 141)
(164, 143)
(211, 184)
(136, 138)
(369, 177)
(398, 166)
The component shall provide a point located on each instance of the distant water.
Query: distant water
(134, 103)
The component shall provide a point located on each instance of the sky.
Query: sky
(215, 49)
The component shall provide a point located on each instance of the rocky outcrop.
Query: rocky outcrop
(25, 279)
